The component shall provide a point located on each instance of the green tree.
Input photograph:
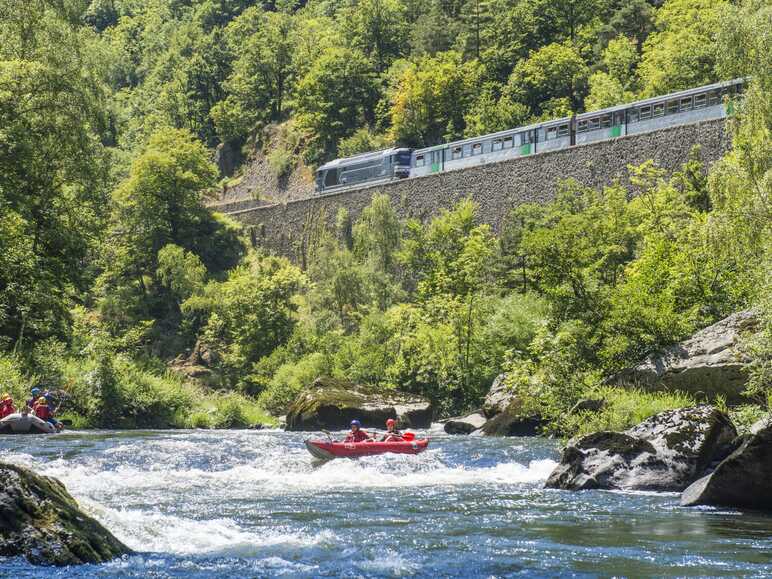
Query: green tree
(262, 74)
(430, 100)
(617, 83)
(554, 72)
(249, 314)
(53, 168)
(331, 111)
(160, 203)
(682, 53)
(378, 28)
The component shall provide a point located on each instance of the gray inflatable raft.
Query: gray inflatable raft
(25, 424)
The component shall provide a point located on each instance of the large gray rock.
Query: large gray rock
(743, 479)
(505, 413)
(332, 404)
(709, 363)
(39, 520)
(666, 452)
(498, 398)
(464, 424)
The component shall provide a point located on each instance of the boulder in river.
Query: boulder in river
(743, 479)
(666, 452)
(711, 362)
(465, 424)
(332, 404)
(39, 520)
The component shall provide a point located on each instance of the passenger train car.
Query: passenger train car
(699, 104)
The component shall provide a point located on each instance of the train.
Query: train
(713, 101)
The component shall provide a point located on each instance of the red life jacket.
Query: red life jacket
(358, 436)
(6, 408)
(43, 412)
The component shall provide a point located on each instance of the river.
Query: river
(253, 504)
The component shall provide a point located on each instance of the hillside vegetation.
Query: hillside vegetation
(111, 266)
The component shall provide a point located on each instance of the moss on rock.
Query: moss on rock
(39, 520)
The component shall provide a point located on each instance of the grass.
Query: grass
(624, 409)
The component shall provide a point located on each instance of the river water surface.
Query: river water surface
(254, 504)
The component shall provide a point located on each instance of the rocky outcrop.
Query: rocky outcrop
(666, 452)
(465, 424)
(227, 157)
(743, 479)
(505, 413)
(707, 364)
(514, 421)
(39, 520)
(197, 365)
(332, 404)
(498, 398)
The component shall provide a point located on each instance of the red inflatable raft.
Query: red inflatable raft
(328, 449)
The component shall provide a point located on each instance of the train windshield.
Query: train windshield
(402, 158)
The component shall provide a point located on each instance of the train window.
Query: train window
(686, 104)
(456, 153)
(496, 145)
(552, 133)
(476, 148)
(645, 113)
(420, 160)
(508, 142)
(605, 121)
(619, 117)
(581, 126)
(714, 98)
(632, 115)
(700, 101)
(331, 178)
(672, 107)
(594, 124)
(563, 130)
(659, 110)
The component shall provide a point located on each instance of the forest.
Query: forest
(112, 266)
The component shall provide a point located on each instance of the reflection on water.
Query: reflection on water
(254, 504)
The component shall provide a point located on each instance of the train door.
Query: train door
(437, 161)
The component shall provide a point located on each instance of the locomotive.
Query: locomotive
(714, 101)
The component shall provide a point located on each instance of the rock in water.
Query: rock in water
(663, 453)
(332, 404)
(39, 520)
(743, 479)
(465, 424)
(707, 364)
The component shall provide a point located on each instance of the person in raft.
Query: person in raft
(392, 434)
(43, 412)
(34, 400)
(6, 406)
(357, 434)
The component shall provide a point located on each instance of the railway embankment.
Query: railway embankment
(286, 228)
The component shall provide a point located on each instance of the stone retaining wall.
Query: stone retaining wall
(496, 188)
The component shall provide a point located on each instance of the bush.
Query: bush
(228, 410)
(290, 379)
(281, 162)
(624, 408)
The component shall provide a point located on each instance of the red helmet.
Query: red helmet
(391, 422)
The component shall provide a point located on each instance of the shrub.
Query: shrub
(623, 409)
(290, 379)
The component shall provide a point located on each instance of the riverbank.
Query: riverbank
(236, 503)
